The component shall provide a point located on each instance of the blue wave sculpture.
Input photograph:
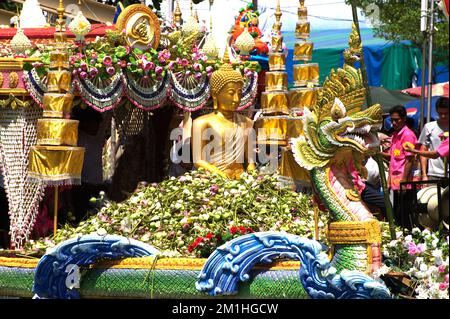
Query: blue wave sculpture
(57, 273)
(231, 263)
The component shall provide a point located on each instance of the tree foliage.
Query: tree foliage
(399, 20)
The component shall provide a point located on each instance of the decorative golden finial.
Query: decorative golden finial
(177, 14)
(278, 13)
(277, 38)
(226, 56)
(60, 21)
(196, 16)
(192, 8)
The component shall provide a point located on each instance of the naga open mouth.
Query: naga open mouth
(364, 137)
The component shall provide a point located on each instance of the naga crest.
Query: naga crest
(336, 120)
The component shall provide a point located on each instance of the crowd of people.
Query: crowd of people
(410, 157)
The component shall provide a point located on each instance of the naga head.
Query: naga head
(336, 122)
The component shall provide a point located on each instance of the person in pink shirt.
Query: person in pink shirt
(401, 161)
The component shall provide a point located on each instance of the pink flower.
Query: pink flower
(83, 66)
(446, 278)
(107, 60)
(171, 65)
(443, 286)
(94, 55)
(188, 73)
(441, 268)
(127, 49)
(161, 59)
(110, 70)
(198, 76)
(83, 75)
(421, 248)
(179, 61)
(147, 66)
(194, 49)
(209, 69)
(93, 72)
(214, 189)
(74, 72)
(412, 249)
(184, 62)
(196, 67)
(159, 70)
(122, 63)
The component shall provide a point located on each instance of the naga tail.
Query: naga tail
(231, 263)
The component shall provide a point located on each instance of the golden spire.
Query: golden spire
(192, 8)
(196, 16)
(226, 56)
(277, 25)
(177, 14)
(60, 21)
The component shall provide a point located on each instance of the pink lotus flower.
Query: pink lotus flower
(196, 67)
(110, 70)
(122, 63)
(159, 70)
(443, 286)
(147, 66)
(188, 73)
(127, 49)
(194, 49)
(179, 61)
(161, 59)
(184, 62)
(441, 268)
(171, 65)
(446, 278)
(83, 66)
(74, 72)
(107, 60)
(198, 76)
(83, 75)
(209, 69)
(93, 72)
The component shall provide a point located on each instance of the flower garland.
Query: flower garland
(148, 97)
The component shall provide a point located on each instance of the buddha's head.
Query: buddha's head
(226, 87)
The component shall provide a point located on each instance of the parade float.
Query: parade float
(200, 235)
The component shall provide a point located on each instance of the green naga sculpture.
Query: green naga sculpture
(337, 137)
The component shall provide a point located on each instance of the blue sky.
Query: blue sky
(323, 14)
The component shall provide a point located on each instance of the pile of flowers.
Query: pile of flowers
(193, 214)
(423, 256)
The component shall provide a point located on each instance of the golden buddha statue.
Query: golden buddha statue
(227, 151)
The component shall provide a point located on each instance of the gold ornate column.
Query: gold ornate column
(56, 159)
(271, 127)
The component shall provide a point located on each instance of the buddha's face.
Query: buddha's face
(229, 98)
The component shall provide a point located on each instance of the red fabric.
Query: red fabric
(440, 89)
(446, 5)
(48, 33)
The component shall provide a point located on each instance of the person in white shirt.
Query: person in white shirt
(430, 140)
